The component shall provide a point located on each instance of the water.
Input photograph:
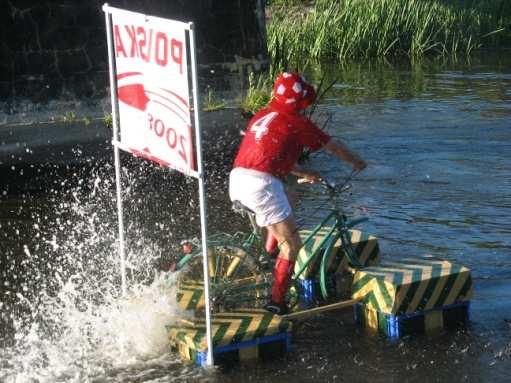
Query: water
(437, 139)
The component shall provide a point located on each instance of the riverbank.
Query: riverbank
(82, 141)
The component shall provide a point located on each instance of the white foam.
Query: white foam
(70, 322)
(79, 339)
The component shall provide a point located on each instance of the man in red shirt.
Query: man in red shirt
(273, 142)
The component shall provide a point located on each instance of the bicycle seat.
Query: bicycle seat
(238, 207)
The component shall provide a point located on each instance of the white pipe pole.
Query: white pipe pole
(202, 196)
(117, 159)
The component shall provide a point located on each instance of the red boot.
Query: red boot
(282, 276)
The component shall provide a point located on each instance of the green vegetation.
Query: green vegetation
(69, 117)
(360, 29)
(108, 120)
(86, 121)
(302, 34)
(288, 2)
(212, 102)
(258, 93)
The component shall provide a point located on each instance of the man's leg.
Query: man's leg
(271, 245)
(271, 241)
(290, 243)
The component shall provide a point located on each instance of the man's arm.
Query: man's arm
(341, 150)
(306, 174)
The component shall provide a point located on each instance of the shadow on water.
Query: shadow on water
(437, 141)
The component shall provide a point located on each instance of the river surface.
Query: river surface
(437, 137)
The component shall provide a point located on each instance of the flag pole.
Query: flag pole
(117, 158)
(202, 196)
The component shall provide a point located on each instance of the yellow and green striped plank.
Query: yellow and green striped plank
(365, 246)
(190, 295)
(366, 250)
(227, 328)
(412, 284)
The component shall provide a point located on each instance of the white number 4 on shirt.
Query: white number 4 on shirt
(260, 127)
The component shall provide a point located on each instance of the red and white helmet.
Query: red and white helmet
(291, 89)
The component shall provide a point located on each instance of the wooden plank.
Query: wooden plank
(188, 322)
(321, 309)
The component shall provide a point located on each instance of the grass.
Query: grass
(69, 116)
(288, 2)
(258, 93)
(212, 102)
(108, 120)
(303, 34)
(359, 29)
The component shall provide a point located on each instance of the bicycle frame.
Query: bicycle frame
(339, 230)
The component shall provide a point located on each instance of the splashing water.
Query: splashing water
(85, 340)
(70, 322)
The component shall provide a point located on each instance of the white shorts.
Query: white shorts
(260, 192)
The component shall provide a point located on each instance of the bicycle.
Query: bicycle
(237, 275)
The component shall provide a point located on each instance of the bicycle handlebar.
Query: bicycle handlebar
(331, 187)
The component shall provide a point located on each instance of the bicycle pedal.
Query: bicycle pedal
(266, 264)
(276, 308)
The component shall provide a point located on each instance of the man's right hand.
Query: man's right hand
(359, 164)
(306, 175)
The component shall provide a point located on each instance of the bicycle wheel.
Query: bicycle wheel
(325, 280)
(236, 278)
(327, 284)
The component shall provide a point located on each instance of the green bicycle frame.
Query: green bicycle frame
(341, 226)
(339, 229)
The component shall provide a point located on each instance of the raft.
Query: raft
(412, 295)
(395, 298)
(244, 335)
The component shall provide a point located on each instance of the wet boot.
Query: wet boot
(282, 276)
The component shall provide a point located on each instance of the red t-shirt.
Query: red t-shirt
(275, 138)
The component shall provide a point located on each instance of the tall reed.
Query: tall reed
(352, 29)
(258, 93)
